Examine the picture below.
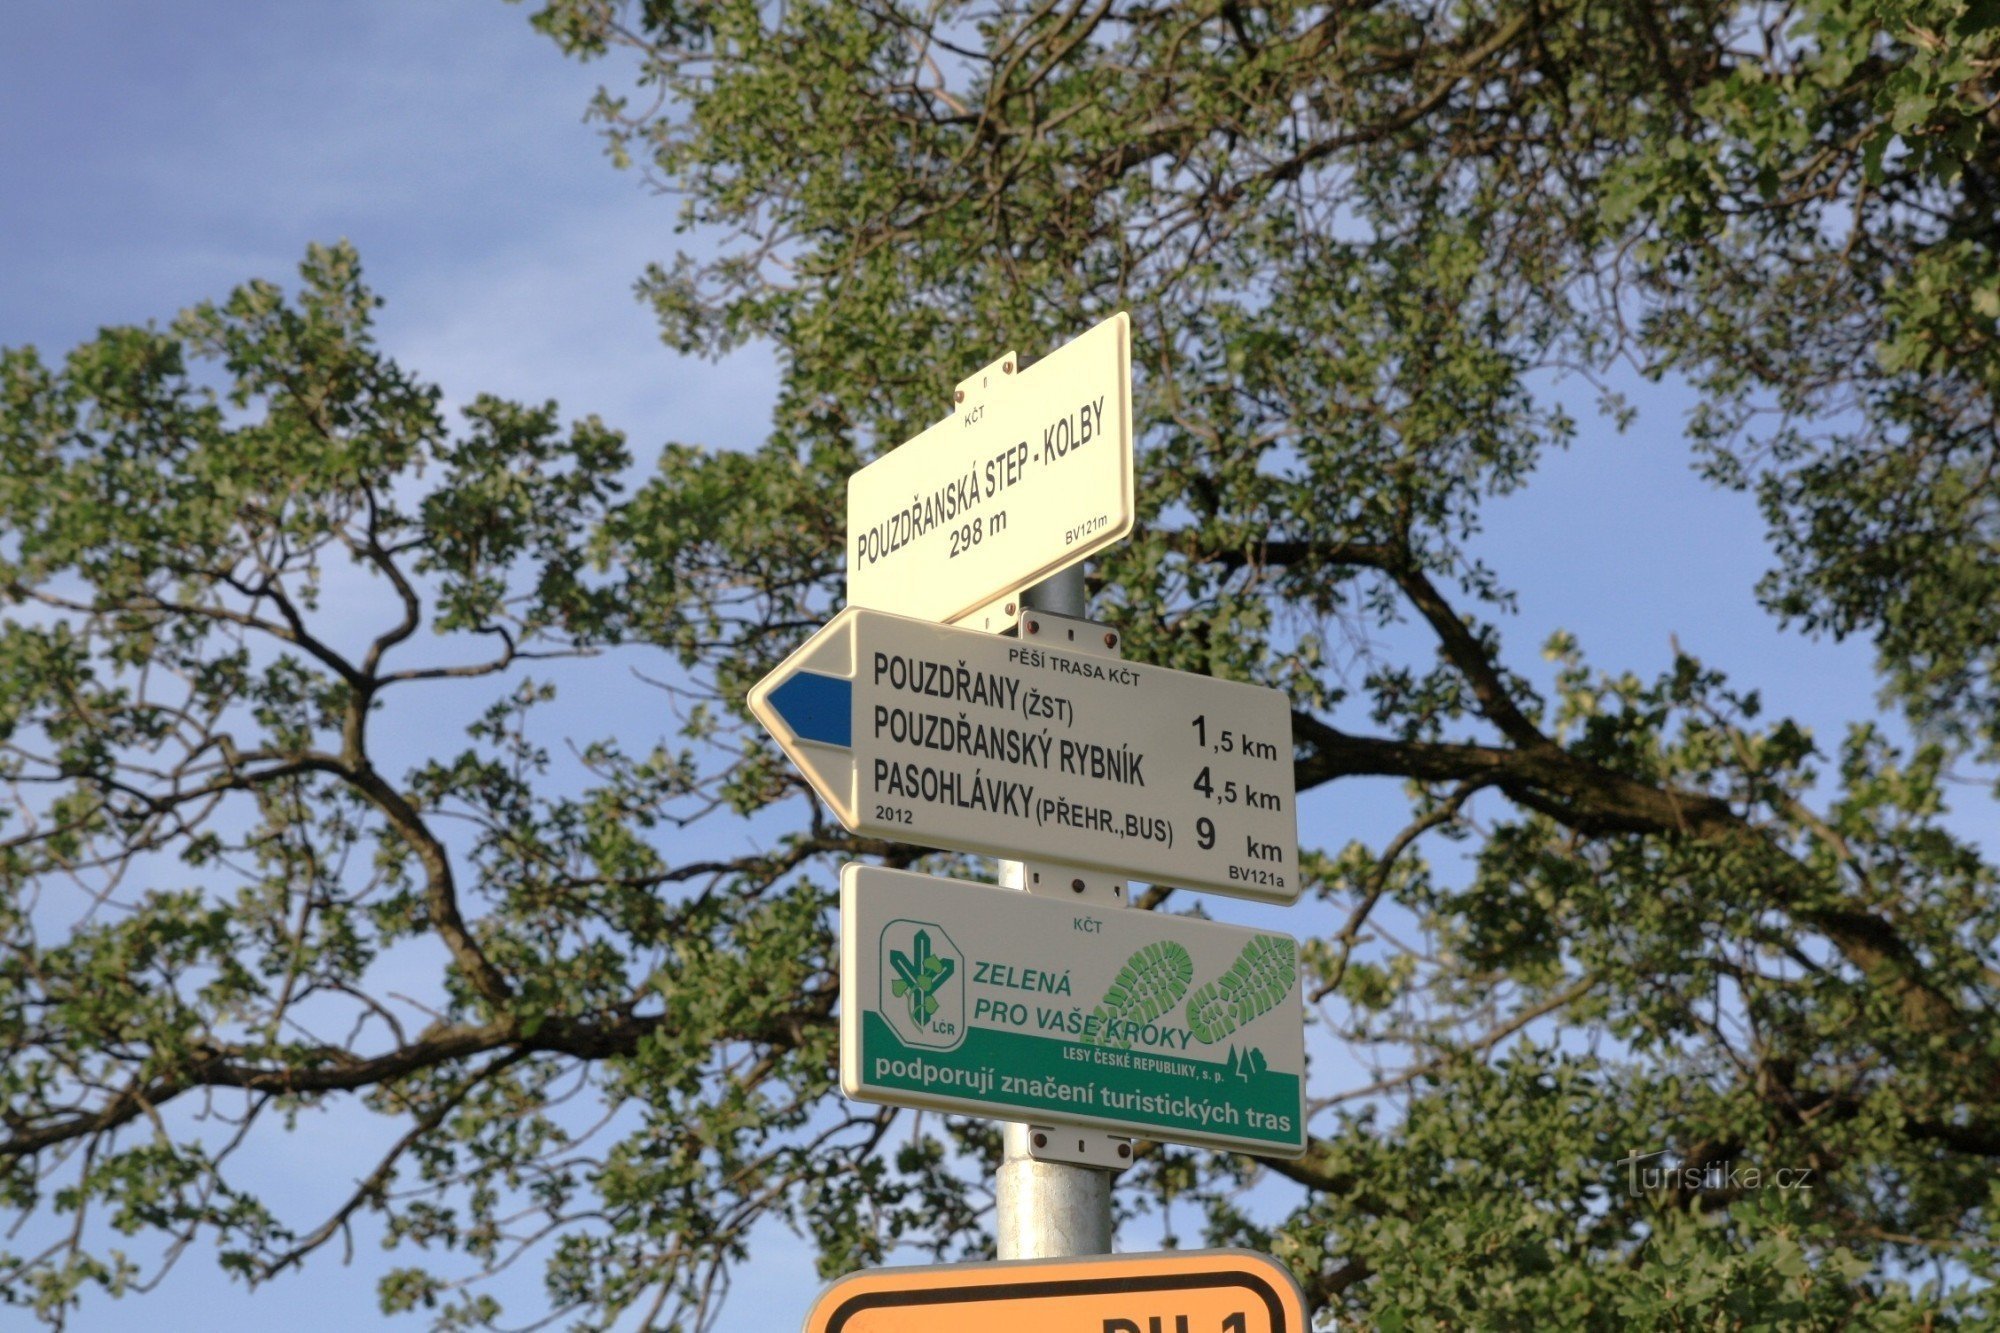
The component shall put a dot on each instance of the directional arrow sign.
(1186, 1291)
(989, 1001)
(954, 738)
(1032, 475)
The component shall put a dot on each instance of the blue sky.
(153, 155)
(156, 155)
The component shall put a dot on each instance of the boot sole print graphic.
(1255, 984)
(1152, 982)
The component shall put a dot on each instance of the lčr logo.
(923, 975)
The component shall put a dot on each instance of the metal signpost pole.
(1049, 1210)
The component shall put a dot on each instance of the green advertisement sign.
(968, 997)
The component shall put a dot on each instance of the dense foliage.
(1357, 242)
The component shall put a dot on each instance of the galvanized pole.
(1049, 1210)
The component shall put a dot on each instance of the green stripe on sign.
(995, 1071)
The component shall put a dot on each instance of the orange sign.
(1183, 1291)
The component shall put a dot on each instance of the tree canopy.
(1358, 243)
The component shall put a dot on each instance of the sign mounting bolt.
(1076, 886)
(958, 395)
(1110, 640)
(1041, 1139)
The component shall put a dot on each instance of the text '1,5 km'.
(952, 738)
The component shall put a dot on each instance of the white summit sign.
(950, 737)
(1031, 474)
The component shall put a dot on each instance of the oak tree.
(1358, 241)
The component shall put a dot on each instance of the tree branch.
(335, 1069)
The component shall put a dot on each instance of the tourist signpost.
(1080, 770)
(988, 1001)
(1033, 476)
(1183, 1291)
(949, 737)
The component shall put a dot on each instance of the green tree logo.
(920, 973)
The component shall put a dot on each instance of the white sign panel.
(954, 738)
(967, 997)
(1033, 476)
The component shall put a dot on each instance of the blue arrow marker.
(817, 708)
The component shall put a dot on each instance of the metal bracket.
(1095, 890)
(999, 616)
(1051, 879)
(973, 387)
(1091, 637)
(1086, 888)
(1069, 1144)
